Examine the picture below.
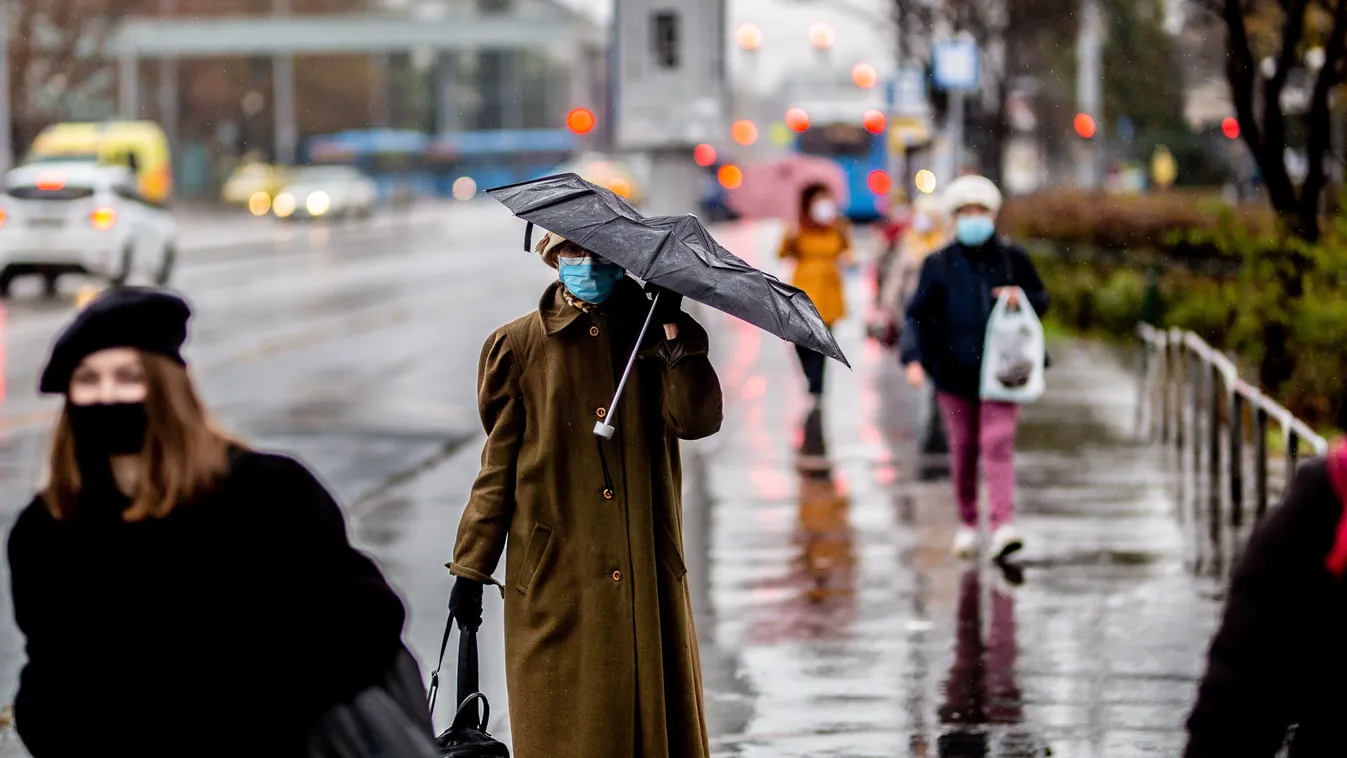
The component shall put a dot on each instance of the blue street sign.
(954, 65)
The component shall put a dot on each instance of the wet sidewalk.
(836, 622)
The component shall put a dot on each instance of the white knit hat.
(972, 190)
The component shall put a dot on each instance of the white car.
(81, 218)
(326, 191)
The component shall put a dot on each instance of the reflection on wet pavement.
(846, 628)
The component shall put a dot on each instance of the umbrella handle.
(604, 428)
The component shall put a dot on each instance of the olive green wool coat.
(601, 654)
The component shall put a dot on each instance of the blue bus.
(393, 158)
(494, 158)
(408, 160)
(860, 153)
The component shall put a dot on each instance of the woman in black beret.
(180, 594)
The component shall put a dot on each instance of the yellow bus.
(141, 145)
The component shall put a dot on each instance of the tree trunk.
(1000, 130)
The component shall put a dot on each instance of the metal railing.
(1193, 397)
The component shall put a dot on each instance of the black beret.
(146, 319)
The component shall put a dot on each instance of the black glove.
(669, 306)
(465, 603)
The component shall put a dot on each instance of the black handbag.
(467, 736)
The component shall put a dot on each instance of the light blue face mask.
(589, 279)
(974, 231)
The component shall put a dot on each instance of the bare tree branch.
(1274, 119)
(1320, 119)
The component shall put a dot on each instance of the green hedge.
(1183, 223)
(1105, 301)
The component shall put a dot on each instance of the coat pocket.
(670, 552)
(533, 556)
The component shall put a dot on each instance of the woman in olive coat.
(601, 653)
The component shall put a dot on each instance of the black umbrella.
(674, 252)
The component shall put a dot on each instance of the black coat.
(948, 313)
(223, 629)
(1280, 656)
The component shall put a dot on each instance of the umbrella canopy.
(772, 189)
(674, 252)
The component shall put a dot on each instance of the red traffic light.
(1230, 127)
(580, 121)
(1085, 125)
(875, 122)
(797, 119)
(864, 75)
(744, 132)
(705, 155)
(730, 176)
(879, 182)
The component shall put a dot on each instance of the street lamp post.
(6, 133)
(283, 75)
(1089, 74)
(168, 86)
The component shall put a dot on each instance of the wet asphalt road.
(833, 621)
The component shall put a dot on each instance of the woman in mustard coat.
(820, 246)
(601, 654)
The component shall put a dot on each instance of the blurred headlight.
(284, 205)
(317, 203)
(103, 219)
(259, 203)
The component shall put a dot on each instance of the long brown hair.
(185, 454)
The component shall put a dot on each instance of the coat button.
(617, 576)
(607, 494)
(601, 412)
(593, 331)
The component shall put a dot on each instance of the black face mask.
(108, 429)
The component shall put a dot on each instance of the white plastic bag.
(1013, 354)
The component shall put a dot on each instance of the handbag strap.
(467, 663)
(468, 717)
(439, 663)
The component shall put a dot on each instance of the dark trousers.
(813, 364)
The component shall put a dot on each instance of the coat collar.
(557, 314)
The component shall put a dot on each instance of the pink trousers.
(986, 431)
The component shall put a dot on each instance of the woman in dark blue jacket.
(947, 317)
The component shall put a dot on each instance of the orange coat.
(819, 254)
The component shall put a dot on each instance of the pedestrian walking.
(929, 231)
(600, 650)
(892, 228)
(948, 316)
(179, 593)
(1277, 658)
(820, 245)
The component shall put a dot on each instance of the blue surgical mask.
(589, 279)
(974, 231)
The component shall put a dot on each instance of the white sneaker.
(966, 542)
(1005, 540)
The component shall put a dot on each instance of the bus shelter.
(569, 38)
